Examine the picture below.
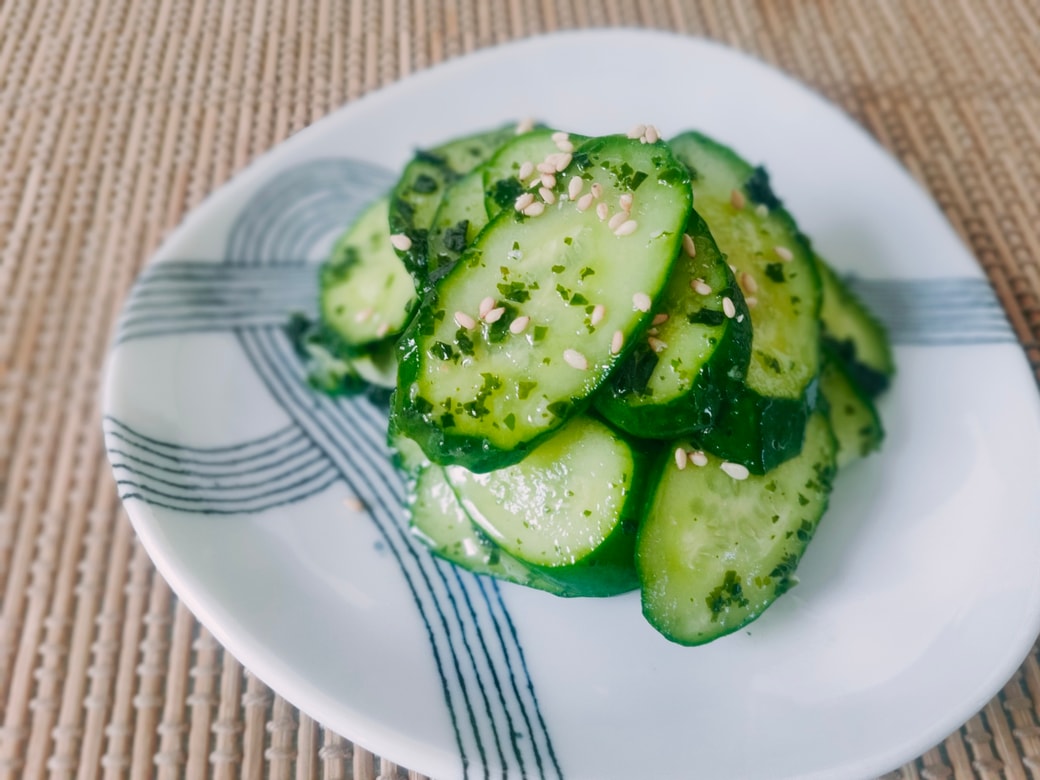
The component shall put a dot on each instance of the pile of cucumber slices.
(616, 364)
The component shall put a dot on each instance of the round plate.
(274, 513)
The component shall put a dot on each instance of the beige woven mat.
(120, 115)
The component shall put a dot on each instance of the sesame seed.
(534, 209)
(401, 242)
(751, 301)
(641, 301)
(651, 134)
(625, 201)
(547, 195)
(735, 470)
(736, 197)
(495, 314)
(547, 180)
(728, 308)
(584, 201)
(354, 504)
(525, 126)
(680, 458)
(545, 167)
(563, 159)
(617, 342)
(565, 146)
(732, 267)
(524, 201)
(660, 319)
(740, 318)
(517, 326)
(762, 210)
(596, 189)
(574, 188)
(688, 246)
(652, 332)
(382, 330)
(616, 220)
(700, 287)
(575, 359)
(637, 131)
(602, 210)
(599, 311)
(642, 140)
(463, 320)
(747, 281)
(784, 253)
(698, 458)
(559, 135)
(627, 228)
(656, 344)
(364, 315)
(486, 305)
(526, 169)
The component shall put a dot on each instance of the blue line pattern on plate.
(264, 277)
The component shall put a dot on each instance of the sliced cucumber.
(419, 191)
(673, 382)
(854, 334)
(502, 183)
(366, 292)
(513, 342)
(714, 551)
(459, 218)
(764, 422)
(569, 510)
(854, 418)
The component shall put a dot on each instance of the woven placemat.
(119, 116)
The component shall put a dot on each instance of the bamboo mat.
(119, 116)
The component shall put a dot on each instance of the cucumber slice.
(570, 510)
(501, 174)
(459, 218)
(365, 290)
(714, 551)
(854, 334)
(561, 286)
(854, 418)
(764, 422)
(418, 193)
(672, 383)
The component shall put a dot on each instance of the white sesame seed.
(599, 311)
(617, 342)
(382, 330)
(565, 146)
(627, 228)
(747, 281)
(525, 200)
(660, 319)
(463, 320)
(401, 242)
(784, 253)
(616, 220)
(680, 458)
(364, 315)
(637, 131)
(698, 458)
(762, 210)
(574, 187)
(547, 195)
(563, 159)
(656, 344)
(486, 305)
(354, 504)
(740, 318)
(732, 267)
(526, 169)
(517, 326)
(596, 189)
(642, 140)
(535, 182)
(575, 359)
(735, 470)
(547, 180)
(494, 315)
(534, 209)
(545, 167)
(602, 210)
(560, 135)
(651, 134)
(751, 301)
(525, 126)
(652, 332)
(700, 287)
(736, 197)
(688, 246)
(641, 301)
(625, 201)
(584, 201)
(728, 308)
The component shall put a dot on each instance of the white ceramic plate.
(918, 599)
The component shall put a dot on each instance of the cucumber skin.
(840, 390)
(697, 410)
